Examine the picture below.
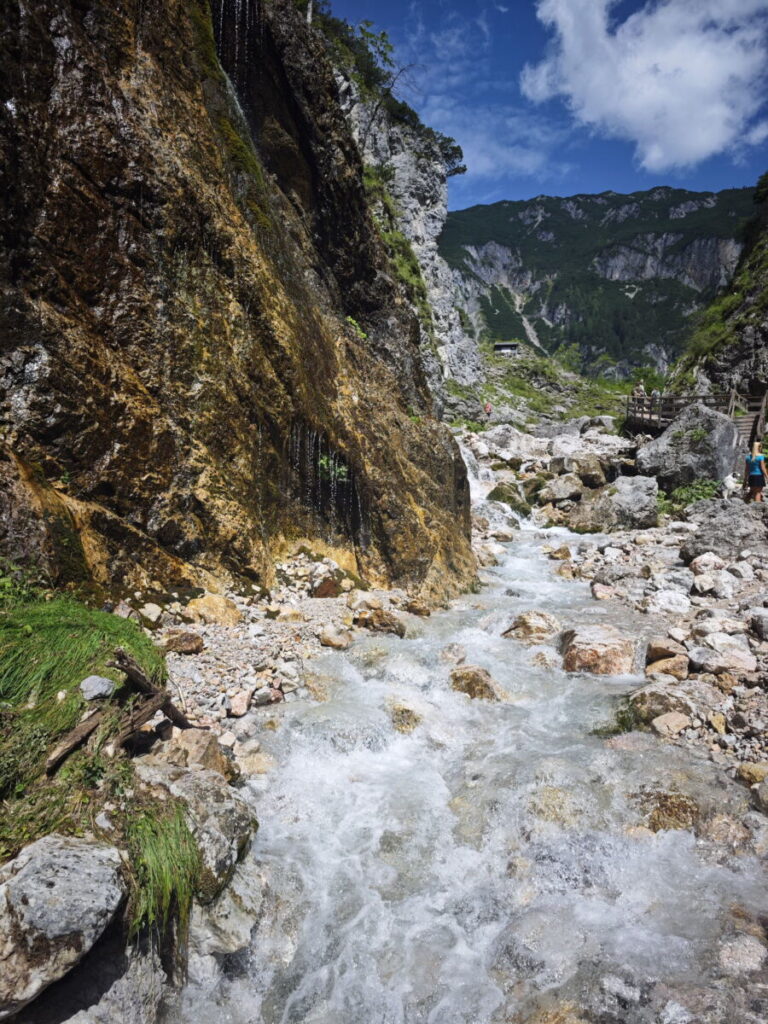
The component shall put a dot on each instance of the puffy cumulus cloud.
(682, 79)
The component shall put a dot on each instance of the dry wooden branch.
(125, 663)
(157, 700)
(72, 740)
(140, 714)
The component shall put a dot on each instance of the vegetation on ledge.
(48, 645)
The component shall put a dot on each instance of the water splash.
(490, 859)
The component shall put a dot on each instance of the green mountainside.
(618, 276)
(729, 343)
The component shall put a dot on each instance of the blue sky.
(568, 96)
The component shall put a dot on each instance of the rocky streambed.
(543, 805)
(429, 856)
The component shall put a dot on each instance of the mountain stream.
(494, 864)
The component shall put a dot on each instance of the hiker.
(639, 390)
(755, 475)
(488, 410)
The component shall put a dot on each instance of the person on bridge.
(755, 475)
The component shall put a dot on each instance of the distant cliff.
(205, 350)
(616, 275)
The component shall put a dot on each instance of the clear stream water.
(489, 866)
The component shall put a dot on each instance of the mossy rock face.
(509, 494)
(534, 485)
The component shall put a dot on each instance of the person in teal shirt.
(755, 474)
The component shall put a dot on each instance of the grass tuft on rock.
(165, 868)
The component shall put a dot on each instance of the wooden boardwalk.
(646, 414)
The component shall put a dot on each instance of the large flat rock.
(56, 899)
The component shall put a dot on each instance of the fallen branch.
(157, 700)
(134, 720)
(125, 663)
(73, 740)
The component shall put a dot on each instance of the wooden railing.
(656, 413)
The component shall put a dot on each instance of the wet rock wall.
(181, 390)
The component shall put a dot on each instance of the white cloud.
(682, 79)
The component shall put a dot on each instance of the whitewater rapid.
(492, 864)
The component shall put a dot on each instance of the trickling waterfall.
(325, 487)
(236, 23)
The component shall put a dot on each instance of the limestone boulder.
(692, 697)
(337, 639)
(588, 468)
(760, 797)
(676, 666)
(183, 642)
(629, 503)
(660, 647)
(670, 724)
(758, 622)
(510, 495)
(706, 563)
(563, 488)
(725, 528)
(221, 821)
(601, 650)
(194, 748)
(476, 683)
(722, 652)
(699, 445)
(533, 627)
(56, 899)
(668, 602)
(214, 610)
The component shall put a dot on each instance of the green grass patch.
(677, 501)
(165, 867)
(46, 649)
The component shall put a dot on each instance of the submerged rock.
(378, 620)
(476, 682)
(56, 899)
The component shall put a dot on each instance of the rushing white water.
(489, 863)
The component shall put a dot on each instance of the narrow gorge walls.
(203, 350)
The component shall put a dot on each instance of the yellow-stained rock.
(676, 666)
(214, 610)
(753, 772)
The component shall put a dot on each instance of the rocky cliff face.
(181, 392)
(619, 276)
(417, 184)
(730, 345)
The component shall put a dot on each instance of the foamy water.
(490, 862)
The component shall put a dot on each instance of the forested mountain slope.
(616, 275)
